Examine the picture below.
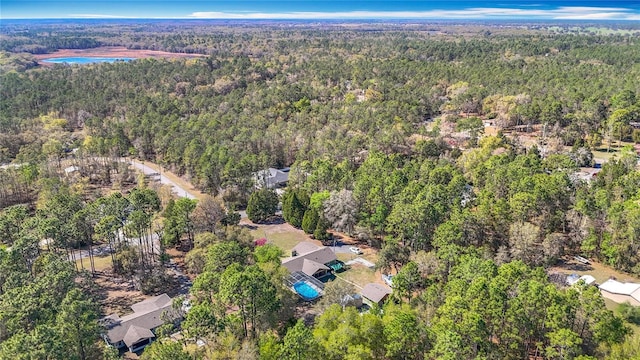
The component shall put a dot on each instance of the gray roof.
(305, 247)
(147, 315)
(271, 177)
(310, 262)
(135, 334)
(153, 303)
(375, 292)
(310, 267)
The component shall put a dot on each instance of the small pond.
(85, 60)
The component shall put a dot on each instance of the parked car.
(355, 250)
(388, 279)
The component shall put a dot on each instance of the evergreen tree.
(310, 221)
(262, 205)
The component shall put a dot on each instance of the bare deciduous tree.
(341, 210)
(208, 214)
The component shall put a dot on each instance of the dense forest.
(386, 131)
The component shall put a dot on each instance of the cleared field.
(180, 182)
(114, 51)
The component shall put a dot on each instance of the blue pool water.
(85, 60)
(305, 290)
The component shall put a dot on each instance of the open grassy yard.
(101, 263)
(285, 241)
(283, 235)
(359, 275)
(601, 153)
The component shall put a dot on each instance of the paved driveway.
(162, 179)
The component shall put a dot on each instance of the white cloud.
(560, 13)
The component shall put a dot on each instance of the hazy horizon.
(620, 10)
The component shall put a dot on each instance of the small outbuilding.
(376, 293)
(575, 278)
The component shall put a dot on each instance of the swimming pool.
(85, 60)
(305, 290)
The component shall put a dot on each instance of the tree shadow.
(274, 220)
(574, 265)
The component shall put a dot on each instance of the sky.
(628, 10)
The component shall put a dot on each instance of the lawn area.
(100, 262)
(359, 275)
(285, 241)
(344, 257)
(283, 236)
(602, 153)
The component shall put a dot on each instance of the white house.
(621, 292)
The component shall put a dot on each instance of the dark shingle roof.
(147, 315)
(135, 334)
(310, 262)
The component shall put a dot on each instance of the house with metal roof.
(575, 278)
(136, 330)
(621, 292)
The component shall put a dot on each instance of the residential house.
(376, 293)
(312, 260)
(272, 178)
(136, 330)
(621, 292)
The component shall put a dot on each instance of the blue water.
(306, 291)
(85, 60)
